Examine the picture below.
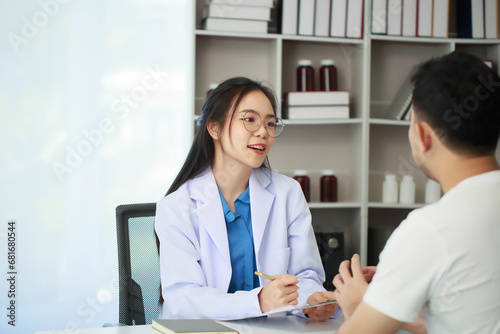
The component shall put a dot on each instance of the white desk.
(281, 325)
(278, 325)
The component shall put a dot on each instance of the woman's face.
(238, 146)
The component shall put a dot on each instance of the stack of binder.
(327, 18)
(410, 18)
(477, 19)
(316, 105)
(250, 16)
(430, 18)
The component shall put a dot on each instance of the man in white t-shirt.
(443, 261)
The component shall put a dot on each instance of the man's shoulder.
(473, 196)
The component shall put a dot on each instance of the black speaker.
(331, 250)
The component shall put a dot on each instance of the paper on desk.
(290, 308)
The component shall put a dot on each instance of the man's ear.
(214, 130)
(425, 135)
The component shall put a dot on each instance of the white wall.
(95, 105)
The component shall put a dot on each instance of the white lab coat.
(194, 251)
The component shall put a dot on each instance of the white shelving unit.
(360, 149)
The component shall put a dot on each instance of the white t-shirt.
(444, 261)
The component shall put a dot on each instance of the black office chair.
(138, 264)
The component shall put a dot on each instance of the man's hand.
(320, 313)
(368, 272)
(349, 292)
(350, 288)
(417, 327)
(279, 293)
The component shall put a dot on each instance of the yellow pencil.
(269, 277)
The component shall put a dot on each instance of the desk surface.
(278, 325)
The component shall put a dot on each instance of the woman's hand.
(279, 293)
(320, 313)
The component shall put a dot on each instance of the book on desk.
(190, 326)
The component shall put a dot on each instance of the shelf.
(333, 121)
(334, 205)
(213, 33)
(321, 39)
(361, 149)
(409, 39)
(474, 41)
(322, 121)
(433, 40)
(334, 40)
(395, 205)
(380, 121)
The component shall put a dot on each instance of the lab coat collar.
(204, 191)
(261, 202)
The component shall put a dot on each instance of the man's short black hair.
(459, 96)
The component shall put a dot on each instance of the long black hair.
(228, 93)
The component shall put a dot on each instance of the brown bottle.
(304, 181)
(328, 186)
(328, 75)
(305, 76)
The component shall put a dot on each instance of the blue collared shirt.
(241, 246)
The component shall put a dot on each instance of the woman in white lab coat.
(227, 215)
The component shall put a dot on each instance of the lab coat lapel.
(209, 210)
(261, 202)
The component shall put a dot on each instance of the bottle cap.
(327, 62)
(328, 172)
(390, 176)
(305, 62)
(213, 85)
(407, 178)
(300, 172)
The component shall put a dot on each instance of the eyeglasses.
(252, 122)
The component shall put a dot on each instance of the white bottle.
(407, 190)
(432, 191)
(390, 189)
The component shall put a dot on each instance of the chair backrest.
(138, 264)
